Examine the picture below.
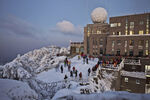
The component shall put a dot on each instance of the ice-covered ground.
(54, 75)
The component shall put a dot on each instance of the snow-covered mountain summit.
(33, 62)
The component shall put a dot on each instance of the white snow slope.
(16, 90)
(40, 78)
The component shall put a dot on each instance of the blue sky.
(29, 24)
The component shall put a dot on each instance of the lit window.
(113, 33)
(101, 41)
(141, 22)
(125, 44)
(141, 32)
(131, 32)
(98, 32)
(112, 49)
(113, 43)
(119, 33)
(147, 68)
(146, 43)
(147, 31)
(113, 25)
(137, 81)
(126, 79)
(147, 25)
(88, 33)
(126, 32)
(146, 52)
(119, 24)
(131, 42)
(131, 25)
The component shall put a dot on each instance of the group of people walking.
(73, 72)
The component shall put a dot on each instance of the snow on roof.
(133, 74)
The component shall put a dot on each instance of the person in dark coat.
(89, 71)
(87, 60)
(80, 75)
(65, 77)
(71, 74)
(69, 66)
(74, 69)
(76, 73)
(61, 69)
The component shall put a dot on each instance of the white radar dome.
(99, 15)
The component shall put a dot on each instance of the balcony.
(132, 62)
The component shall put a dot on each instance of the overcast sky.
(29, 24)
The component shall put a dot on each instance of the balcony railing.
(132, 62)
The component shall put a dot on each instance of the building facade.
(125, 35)
(76, 48)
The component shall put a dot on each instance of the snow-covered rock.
(16, 90)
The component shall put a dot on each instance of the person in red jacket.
(80, 75)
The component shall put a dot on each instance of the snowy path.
(54, 75)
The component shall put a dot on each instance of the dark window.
(101, 50)
(118, 52)
(131, 53)
(118, 42)
(141, 53)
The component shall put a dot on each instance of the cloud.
(67, 28)
(12, 25)
(17, 36)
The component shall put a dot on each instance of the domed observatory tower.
(95, 35)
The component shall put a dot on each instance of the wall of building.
(131, 85)
(136, 47)
(93, 35)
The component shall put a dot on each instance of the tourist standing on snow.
(78, 57)
(71, 74)
(74, 69)
(61, 69)
(65, 62)
(89, 71)
(80, 75)
(76, 73)
(69, 63)
(65, 78)
(87, 60)
(69, 67)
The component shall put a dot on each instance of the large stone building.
(125, 35)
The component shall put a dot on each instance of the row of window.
(131, 32)
(131, 43)
(95, 42)
(115, 24)
(131, 24)
(127, 80)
